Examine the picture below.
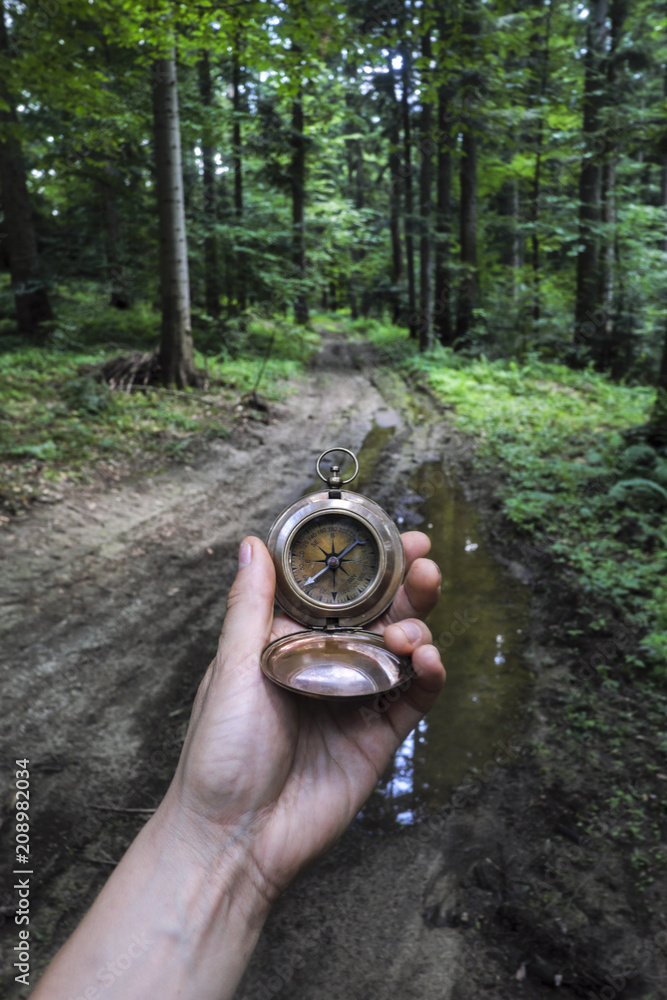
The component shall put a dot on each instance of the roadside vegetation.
(61, 422)
(577, 480)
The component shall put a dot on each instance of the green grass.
(57, 424)
(570, 484)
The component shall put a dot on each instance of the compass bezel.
(379, 593)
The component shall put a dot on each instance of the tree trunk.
(543, 77)
(118, 293)
(662, 159)
(467, 301)
(588, 316)
(395, 218)
(535, 236)
(425, 184)
(352, 281)
(413, 319)
(176, 357)
(510, 251)
(355, 183)
(298, 179)
(238, 176)
(443, 225)
(395, 192)
(30, 295)
(605, 348)
(662, 153)
(211, 266)
(658, 418)
(613, 347)
(663, 187)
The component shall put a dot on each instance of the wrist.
(217, 854)
(175, 920)
(217, 901)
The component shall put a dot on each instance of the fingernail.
(412, 630)
(245, 554)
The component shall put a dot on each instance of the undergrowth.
(58, 423)
(572, 484)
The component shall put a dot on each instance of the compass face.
(334, 558)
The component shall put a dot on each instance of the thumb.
(247, 626)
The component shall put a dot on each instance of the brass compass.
(339, 561)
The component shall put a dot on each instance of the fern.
(619, 491)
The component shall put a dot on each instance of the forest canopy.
(490, 175)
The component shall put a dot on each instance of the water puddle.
(478, 627)
(368, 456)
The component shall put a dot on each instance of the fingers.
(416, 544)
(411, 637)
(417, 697)
(420, 591)
(403, 637)
(394, 715)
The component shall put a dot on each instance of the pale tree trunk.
(510, 249)
(663, 187)
(613, 348)
(662, 152)
(514, 207)
(467, 301)
(30, 295)
(443, 225)
(298, 177)
(425, 211)
(176, 357)
(395, 194)
(118, 292)
(407, 188)
(395, 214)
(354, 160)
(543, 77)
(604, 355)
(211, 268)
(588, 316)
(238, 175)
(658, 418)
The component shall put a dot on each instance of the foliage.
(59, 424)
(86, 136)
(570, 485)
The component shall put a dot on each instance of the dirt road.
(110, 608)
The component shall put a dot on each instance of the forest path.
(111, 604)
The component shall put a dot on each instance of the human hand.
(267, 781)
(278, 775)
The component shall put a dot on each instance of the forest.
(438, 230)
(492, 176)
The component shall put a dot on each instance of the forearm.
(167, 924)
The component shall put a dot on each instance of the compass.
(339, 561)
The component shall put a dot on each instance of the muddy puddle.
(478, 626)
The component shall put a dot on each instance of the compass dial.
(334, 558)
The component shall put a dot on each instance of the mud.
(111, 604)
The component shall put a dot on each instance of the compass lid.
(340, 664)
